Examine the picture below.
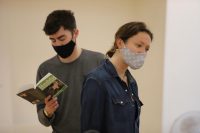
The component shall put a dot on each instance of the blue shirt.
(108, 104)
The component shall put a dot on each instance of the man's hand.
(51, 104)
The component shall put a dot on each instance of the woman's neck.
(119, 65)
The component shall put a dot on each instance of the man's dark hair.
(57, 19)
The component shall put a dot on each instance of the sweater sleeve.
(92, 105)
(40, 107)
(42, 118)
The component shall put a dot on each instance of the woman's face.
(139, 43)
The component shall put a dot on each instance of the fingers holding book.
(51, 104)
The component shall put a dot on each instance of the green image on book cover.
(48, 85)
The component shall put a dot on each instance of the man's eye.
(62, 39)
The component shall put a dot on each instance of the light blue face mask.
(134, 60)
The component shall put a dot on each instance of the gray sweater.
(66, 119)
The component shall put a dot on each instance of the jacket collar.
(113, 72)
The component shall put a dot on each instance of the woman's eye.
(139, 45)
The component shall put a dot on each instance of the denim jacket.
(108, 105)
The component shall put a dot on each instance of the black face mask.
(66, 50)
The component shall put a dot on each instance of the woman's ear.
(120, 43)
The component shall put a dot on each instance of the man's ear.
(120, 43)
(76, 33)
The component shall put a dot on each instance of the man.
(70, 65)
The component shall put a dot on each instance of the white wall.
(182, 63)
(5, 83)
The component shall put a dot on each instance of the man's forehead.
(60, 34)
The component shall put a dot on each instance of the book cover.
(48, 85)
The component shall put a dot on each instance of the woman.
(110, 102)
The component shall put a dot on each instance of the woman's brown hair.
(126, 31)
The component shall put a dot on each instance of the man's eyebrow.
(60, 37)
(57, 37)
(51, 38)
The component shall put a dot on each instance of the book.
(48, 85)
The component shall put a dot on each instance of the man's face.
(61, 37)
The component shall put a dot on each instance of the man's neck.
(76, 53)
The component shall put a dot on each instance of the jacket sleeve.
(92, 105)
